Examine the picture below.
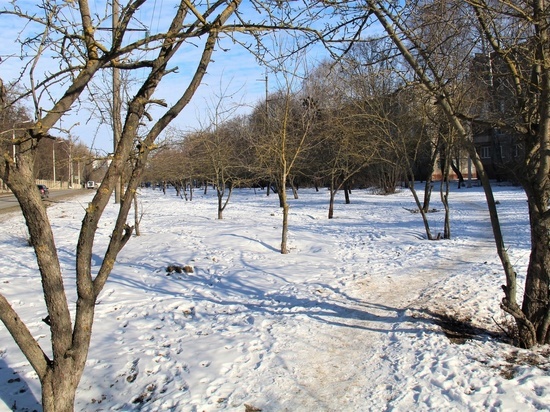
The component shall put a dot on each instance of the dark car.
(44, 192)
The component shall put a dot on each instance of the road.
(8, 202)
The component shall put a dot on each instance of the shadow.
(15, 392)
(334, 307)
(265, 245)
(458, 329)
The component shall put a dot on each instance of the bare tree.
(284, 136)
(82, 50)
(517, 33)
(216, 147)
(341, 147)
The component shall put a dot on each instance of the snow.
(350, 320)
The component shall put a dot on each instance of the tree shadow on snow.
(15, 392)
(457, 328)
(318, 301)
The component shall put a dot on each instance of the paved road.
(8, 202)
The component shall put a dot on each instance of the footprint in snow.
(132, 372)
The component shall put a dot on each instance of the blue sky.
(234, 70)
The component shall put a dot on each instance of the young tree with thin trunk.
(286, 137)
(217, 147)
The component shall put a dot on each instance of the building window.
(502, 152)
(485, 152)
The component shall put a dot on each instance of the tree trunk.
(429, 179)
(219, 192)
(458, 174)
(284, 235)
(427, 194)
(136, 215)
(294, 190)
(421, 210)
(536, 298)
(347, 191)
(59, 388)
(333, 190)
(526, 330)
(331, 203)
(285, 207)
(444, 192)
(221, 204)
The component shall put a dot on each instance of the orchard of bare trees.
(404, 90)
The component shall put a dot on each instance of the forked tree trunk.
(220, 190)
(421, 210)
(347, 191)
(428, 187)
(61, 371)
(59, 386)
(458, 173)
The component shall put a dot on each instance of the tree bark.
(421, 210)
(136, 215)
(331, 203)
(347, 191)
(535, 302)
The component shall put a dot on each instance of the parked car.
(90, 184)
(44, 191)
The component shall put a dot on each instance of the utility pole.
(265, 80)
(116, 109)
(266, 95)
(13, 145)
(71, 169)
(53, 160)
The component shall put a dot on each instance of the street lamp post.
(53, 160)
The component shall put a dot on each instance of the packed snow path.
(345, 322)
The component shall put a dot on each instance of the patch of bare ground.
(537, 357)
(458, 328)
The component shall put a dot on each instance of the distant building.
(500, 148)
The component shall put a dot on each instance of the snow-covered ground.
(351, 320)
